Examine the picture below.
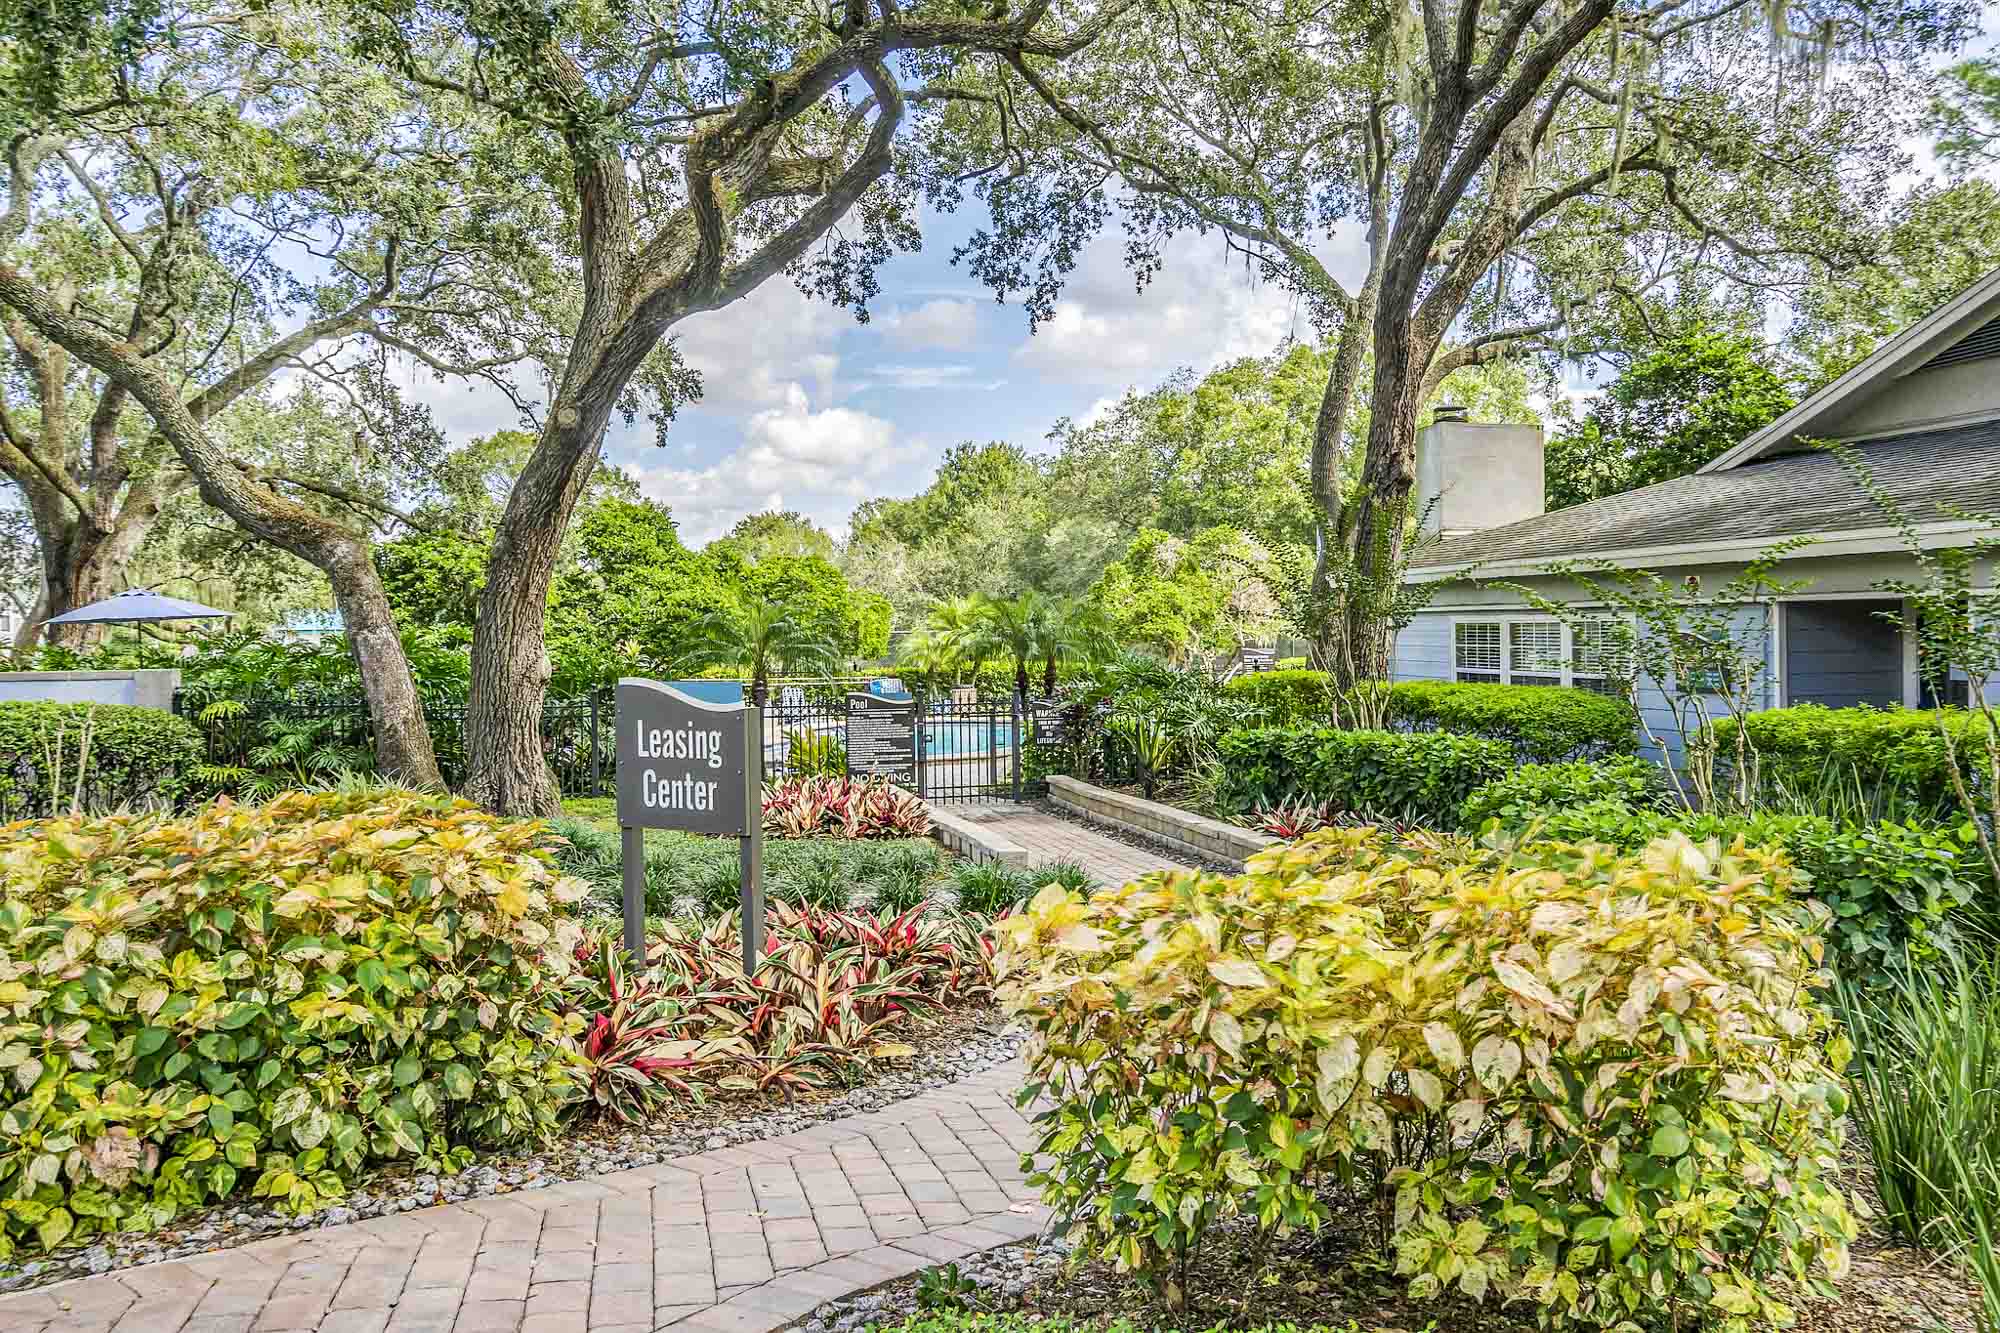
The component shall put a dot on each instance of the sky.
(805, 408)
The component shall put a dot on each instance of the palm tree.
(957, 630)
(763, 635)
(924, 652)
(1013, 629)
(1070, 630)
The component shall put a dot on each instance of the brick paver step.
(1046, 837)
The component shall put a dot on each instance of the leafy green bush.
(814, 755)
(1894, 753)
(1284, 698)
(821, 878)
(277, 996)
(589, 853)
(1535, 789)
(1544, 723)
(1069, 874)
(124, 755)
(1419, 776)
(1593, 1082)
(989, 888)
(900, 878)
(1893, 888)
(948, 1319)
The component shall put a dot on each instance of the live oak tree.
(1966, 115)
(1942, 239)
(204, 199)
(1514, 171)
(696, 152)
(779, 532)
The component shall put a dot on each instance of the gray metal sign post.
(695, 766)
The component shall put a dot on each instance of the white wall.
(152, 689)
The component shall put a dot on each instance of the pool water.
(948, 740)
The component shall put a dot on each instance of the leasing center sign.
(681, 762)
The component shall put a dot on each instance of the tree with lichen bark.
(1518, 175)
(696, 153)
(161, 197)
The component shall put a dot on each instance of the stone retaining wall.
(973, 840)
(1210, 839)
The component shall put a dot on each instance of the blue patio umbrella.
(135, 605)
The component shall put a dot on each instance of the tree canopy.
(1691, 398)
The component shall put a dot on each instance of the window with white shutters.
(1479, 658)
(1538, 651)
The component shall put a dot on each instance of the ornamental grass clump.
(1592, 1082)
(270, 998)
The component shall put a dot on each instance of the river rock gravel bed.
(950, 1047)
(1001, 1279)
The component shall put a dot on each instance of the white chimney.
(1473, 475)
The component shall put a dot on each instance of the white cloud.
(1200, 310)
(751, 354)
(943, 325)
(820, 462)
(926, 377)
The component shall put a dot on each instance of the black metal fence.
(962, 745)
(954, 745)
(312, 736)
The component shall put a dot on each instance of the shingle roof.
(1753, 503)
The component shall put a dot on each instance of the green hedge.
(1894, 889)
(270, 999)
(1421, 777)
(1808, 749)
(1544, 723)
(1537, 789)
(1284, 698)
(136, 756)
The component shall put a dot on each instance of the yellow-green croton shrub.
(1593, 1082)
(269, 997)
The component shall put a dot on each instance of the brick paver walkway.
(1049, 837)
(742, 1240)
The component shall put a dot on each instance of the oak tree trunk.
(508, 772)
(1383, 507)
(82, 563)
(1327, 648)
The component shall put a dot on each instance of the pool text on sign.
(687, 764)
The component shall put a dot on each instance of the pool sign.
(882, 738)
(687, 764)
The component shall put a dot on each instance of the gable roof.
(1967, 317)
(1722, 515)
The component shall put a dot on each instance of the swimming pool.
(950, 740)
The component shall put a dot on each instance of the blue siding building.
(1922, 415)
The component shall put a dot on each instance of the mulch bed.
(1241, 1280)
